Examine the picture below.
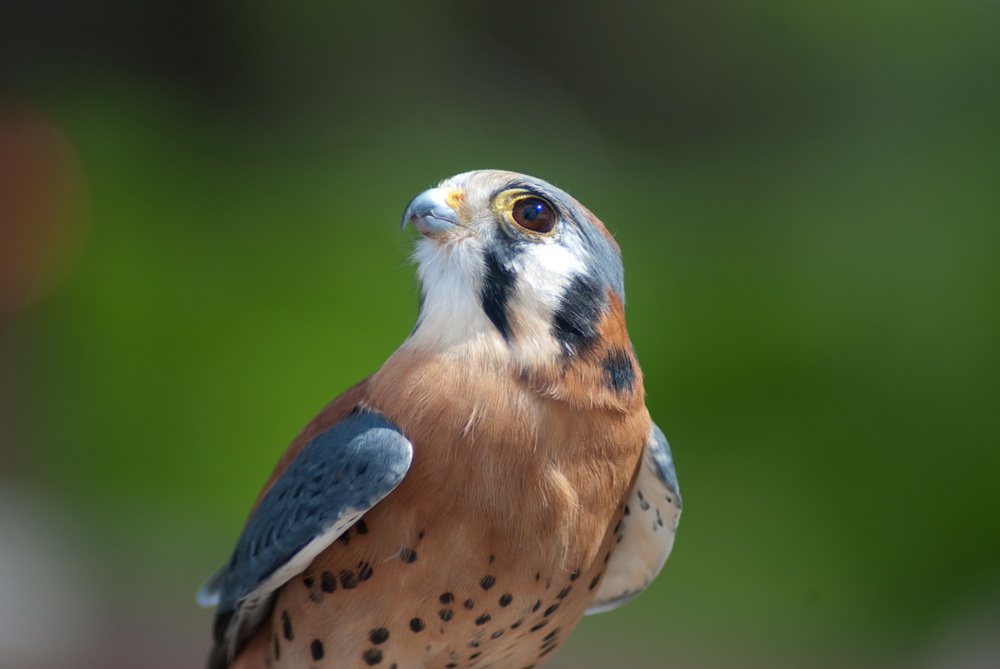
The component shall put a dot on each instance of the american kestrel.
(495, 480)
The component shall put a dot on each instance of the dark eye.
(534, 214)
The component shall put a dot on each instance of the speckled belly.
(400, 594)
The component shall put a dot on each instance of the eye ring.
(534, 214)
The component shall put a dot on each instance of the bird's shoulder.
(334, 412)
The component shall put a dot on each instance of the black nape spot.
(446, 614)
(488, 582)
(316, 649)
(575, 575)
(497, 634)
(328, 582)
(551, 609)
(361, 527)
(540, 625)
(348, 579)
(475, 655)
(378, 635)
(516, 624)
(446, 598)
(593, 584)
(308, 581)
(420, 534)
(286, 626)
(372, 656)
(483, 619)
(550, 635)
(565, 591)
(537, 605)
(277, 649)
(506, 598)
(619, 372)
(417, 625)
(498, 286)
(408, 555)
(492, 558)
(364, 571)
(451, 665)
(575, 321)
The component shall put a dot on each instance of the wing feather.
(647, 535)
(334, 479)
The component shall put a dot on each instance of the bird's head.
(514, 269)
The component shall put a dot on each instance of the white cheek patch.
(547, 269)
(451, 276)
(544, 271)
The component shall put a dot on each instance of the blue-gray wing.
(648, 528)
(336, 477)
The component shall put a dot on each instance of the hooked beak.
(431, 212)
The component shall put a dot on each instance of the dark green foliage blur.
(807, 197)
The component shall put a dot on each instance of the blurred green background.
(199, 247)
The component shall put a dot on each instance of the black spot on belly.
(372, 656)
(378, 635)
(348, 579)
(619, 372)
(361, 527)
(446, 598)
(364, 571)
(328, 582)
(468, 604)
(408, 555)
(487, 582)
(316, 649)
(417, 625)
(483, 619)
(286, 626)
(506, 598)
(446, 614)
(575, 321)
